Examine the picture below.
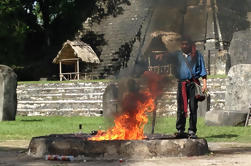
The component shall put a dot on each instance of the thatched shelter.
(71, 53)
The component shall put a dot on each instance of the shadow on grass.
(223, 136)
(32, 120)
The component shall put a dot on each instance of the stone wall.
(216, 101)
(75, 98)
(86, 99)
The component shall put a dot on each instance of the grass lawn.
(24, 128)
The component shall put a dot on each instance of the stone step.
(58, 96)
(66, 84)
(71, 99)
(62, 112)
(59, 104)
(52, 87)
(79, 90)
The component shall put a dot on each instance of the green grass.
(216, 76)
(211, 133)
(27, 127)
(24, 128)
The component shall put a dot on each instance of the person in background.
(189, 67)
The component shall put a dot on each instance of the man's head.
(186, 45)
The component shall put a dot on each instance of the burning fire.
(130, 124)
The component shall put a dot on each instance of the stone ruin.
(154, 146)
(238, 88)
(132, 28)
(210, 25)
(238, 85)
(8, 96)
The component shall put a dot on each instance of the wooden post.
(208, 62)
(60, 71)
(78, 69)
(149, 63)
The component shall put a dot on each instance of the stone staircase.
(61, 99)
(167, 106)
(86, 99)
(119, 32)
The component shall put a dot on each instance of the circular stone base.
(75, 145)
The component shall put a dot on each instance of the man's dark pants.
(193, 106)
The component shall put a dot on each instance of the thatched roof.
(76, 49)
(169, 39)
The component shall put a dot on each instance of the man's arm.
(167, 57)
(204, 79)
(203, 72)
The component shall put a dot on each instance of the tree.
(32, 31)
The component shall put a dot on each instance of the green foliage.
(12, 32)
(32, 31)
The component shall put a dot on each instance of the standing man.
(190, 66)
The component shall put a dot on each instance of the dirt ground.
(13, 153)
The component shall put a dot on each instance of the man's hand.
(204, 87)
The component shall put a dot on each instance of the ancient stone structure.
(240, 48)
(77, 145)
(76, 98)
(128, 41)
(8, 96)
(238, 88)
(96, 98)
(237, 98)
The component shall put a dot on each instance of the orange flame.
(130, 124)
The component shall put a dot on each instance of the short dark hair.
(188, 39)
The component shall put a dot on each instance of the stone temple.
(124, 41)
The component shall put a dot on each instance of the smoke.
(136, 100)
(169, 21)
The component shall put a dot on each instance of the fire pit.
(127, 138)
(156, 145)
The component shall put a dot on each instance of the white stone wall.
(86, 99)
(61, 99)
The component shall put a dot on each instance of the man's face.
(185, 47)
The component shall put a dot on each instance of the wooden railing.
(166, 69)
(69, 76)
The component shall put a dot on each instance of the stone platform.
(156, 145)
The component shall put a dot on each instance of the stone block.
(110, 101)
(225, 118)
(240, 48)
(238, 87)
(8, 96)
